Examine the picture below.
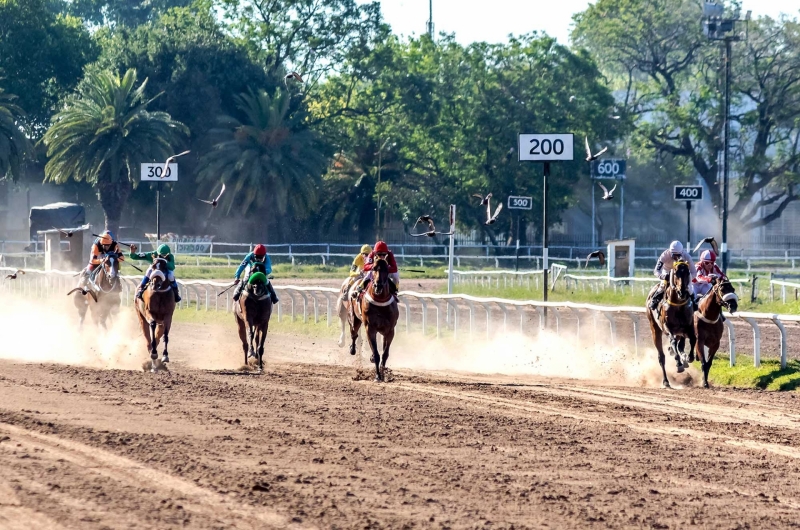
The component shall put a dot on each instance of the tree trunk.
(113, 196)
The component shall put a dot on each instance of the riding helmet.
(676, 247)
(708, 255)
(260, 250)
(380, 246)
(106, 238)
(163, 250)
(366, 249)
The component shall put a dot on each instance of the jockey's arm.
(171, 262)
(245, 262)
(95, 257)
(141, 256)
(267, 265)
(392, 264)
(659, 271)
(368, 262)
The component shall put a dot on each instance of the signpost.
(519, 203)
(154, 172)
(545, 148)
(608, 168)
(688, 194)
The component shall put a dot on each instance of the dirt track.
(306, 445)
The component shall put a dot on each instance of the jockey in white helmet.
(674, 253)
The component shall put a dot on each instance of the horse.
(675, 319)
(103, 290)
(708, 321)
(343, 304)
(252, 313)
(377, 310)
(155, 311)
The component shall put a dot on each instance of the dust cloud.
(37, 331)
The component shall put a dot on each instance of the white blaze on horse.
(252, 313)
(155, 311)
(377, 310)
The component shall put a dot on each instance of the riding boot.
(140, 290)
(694, 302)
(238, 291)
(656, 299)
(273, 296)
(175, 292)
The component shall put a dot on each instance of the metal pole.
(545, 238)
(688, 224)
(516, 263)
(158, 214)
(452, 250)
(726, 168)
(621, 205)
(594, 215)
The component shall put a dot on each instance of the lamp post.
(717, 28)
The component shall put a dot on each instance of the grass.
(309, 329)
(769, 376)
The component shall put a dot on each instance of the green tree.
(14, 144)
(122, 12)
(104, 134)
(42, 56)
(269, 159)
(670, 81)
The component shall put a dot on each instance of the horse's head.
(111, 266)
(680, 279)
(257, 284)
(160, 271)
(380, 275)
(726, 295)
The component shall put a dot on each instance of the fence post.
(731, 342)
(782, 330)
(756, 341)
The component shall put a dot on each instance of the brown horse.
(103, 290)
(252, 313)
(708, 322)
(674, 317)
(377, 310)
(155, 311)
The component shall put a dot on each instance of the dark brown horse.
(708, 322)
(252, 313)
(155, 311)
(675, 318)
(103, 291)
(377, 310)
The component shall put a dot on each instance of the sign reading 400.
(545, 147)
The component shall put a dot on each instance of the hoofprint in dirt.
(305, 444)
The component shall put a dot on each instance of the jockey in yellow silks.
(356, 269)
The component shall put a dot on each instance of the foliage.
(671, 80)
(42, 56)
(14, 144)
(122, 12)
(103, 135)
(269, 159)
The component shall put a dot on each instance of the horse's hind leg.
(372, 337)
(388, 337)
(261, 340)
(153, 340)
(240, 324)
(658, 338)
(354, 327)
(165, 327)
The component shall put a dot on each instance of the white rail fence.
(496, 315)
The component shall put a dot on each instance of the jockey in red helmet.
(380, 251)
(256, 260)
(707, 271)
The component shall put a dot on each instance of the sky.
(493, 20)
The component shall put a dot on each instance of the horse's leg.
(700, 349)
(261, 340)
(692, 344)
(388, 337)
(251, 340)
(145, 327)
(372, 337)
(341, 310)
(240, 323)
(153, 340)
(166, 327)
(355, 326)
(658, 339)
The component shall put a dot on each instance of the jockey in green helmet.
(163, 251)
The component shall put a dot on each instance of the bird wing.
(497, 212)
(615, 187)
(588, 151)
(20, 271)
(207, 202)
(489, 208)
(418, 235)
(220, 193)
(697, 247)
(602, 257)
(605, 191)
(714, 246)
(603, 150)
(478, 196)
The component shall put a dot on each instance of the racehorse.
(377, 310)
(252, 313)
(155, 311)
(343, 304)
(708, 322)
(103, 290)
(675, 318)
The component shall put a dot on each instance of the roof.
(55, 230)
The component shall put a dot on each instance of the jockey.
(163, 251)
(707, 270)
(356, 269)
(381, 251)
(674, 253)
(104, 244)
(259, 255)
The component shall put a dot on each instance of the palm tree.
(13, 143)
(271, 159)
(103, 135)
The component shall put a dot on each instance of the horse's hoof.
(154, 356)
(665, 384)
(352, 350)
(680, 368)
(377, 379)
(705, 384)
(165, 358)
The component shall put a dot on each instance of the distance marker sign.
(545, 147)
(520, 203)
(609, 168)
(153, 172)
(688, 193)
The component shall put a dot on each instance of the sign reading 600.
(610, 168)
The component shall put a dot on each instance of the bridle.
(112, 276)
(682, 293)
(379, 284)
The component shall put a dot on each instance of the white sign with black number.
(545, 147)
(688, 193)
(154, 172)
(520, 203)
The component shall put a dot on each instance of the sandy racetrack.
(306, 445)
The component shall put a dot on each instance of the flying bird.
(215, 202)
(169, 161)
(591, 157)
(607, 195)
(484, 200)
(292, 75)
(601, 257)
(69, 233)
(431, 227)
(14, 276)
(491, 219)
(711, 241)
(84, 292)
